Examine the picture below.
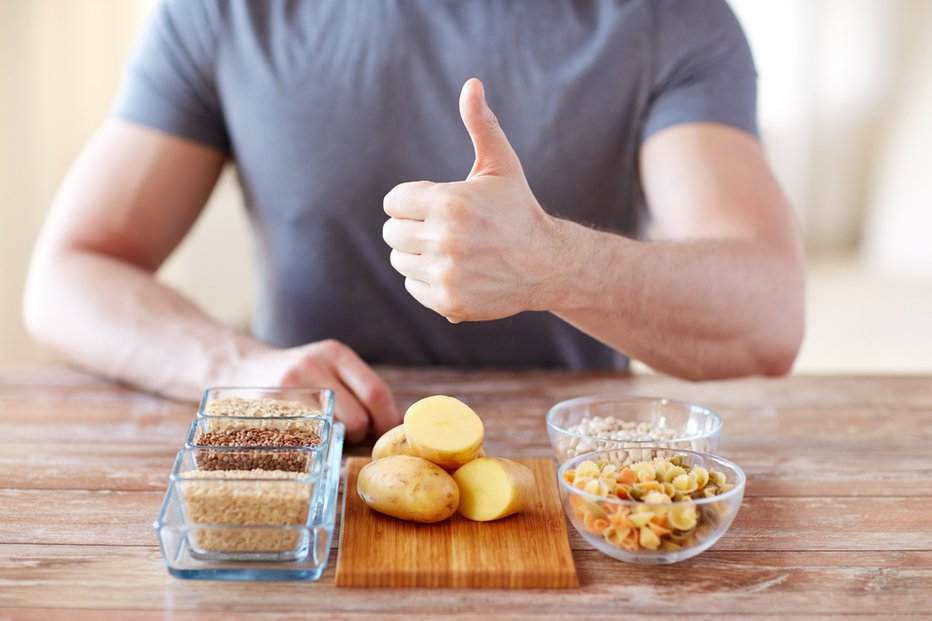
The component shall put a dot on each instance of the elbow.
(776, 335)
(762, 343)
(780, 324)
(783, 338)
(42, 308)
(779, 359)
(771, 355)
(775, 354)
(773, 361)
(35, 311)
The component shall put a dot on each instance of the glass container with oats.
(651, 505)
(587, 424)
(252, 513)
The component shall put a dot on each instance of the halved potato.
(492, 488)
(444, 430)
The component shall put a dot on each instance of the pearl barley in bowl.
(588, 424)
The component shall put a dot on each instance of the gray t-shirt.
(326, 105)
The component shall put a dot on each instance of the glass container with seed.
(245, 418)
(240, 447)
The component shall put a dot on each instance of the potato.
(395, 442)
(481, 453)
(408, 488)
(492, 488)
(392, 442)
(444, 430)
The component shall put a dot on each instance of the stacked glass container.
(253, 494)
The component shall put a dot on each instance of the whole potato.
(393, 442)
(409, 488)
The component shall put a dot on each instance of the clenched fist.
(477, 249)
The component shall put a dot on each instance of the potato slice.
(392, 442)
(408, 488)
(492, 488)
(444, 430)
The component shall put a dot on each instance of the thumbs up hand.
(477, 249)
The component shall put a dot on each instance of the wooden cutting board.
(527, 550)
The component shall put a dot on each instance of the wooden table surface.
(836, 521)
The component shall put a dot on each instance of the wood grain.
(73, 517)
(835, 524)
(740, 583)
(802, 468)
(527, 550)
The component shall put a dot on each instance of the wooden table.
(836, 522)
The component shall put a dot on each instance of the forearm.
(116, 320)
(723, 300)
(696, 309)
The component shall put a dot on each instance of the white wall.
(831, 73)
(898, 231)
(60, 65)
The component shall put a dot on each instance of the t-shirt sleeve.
(702, 69)
(170, 82)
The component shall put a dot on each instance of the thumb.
(494, 155)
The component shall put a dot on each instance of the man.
(614, 115)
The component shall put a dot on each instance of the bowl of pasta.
(651, 505)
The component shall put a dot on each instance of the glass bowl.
(588, 424)
(267, 403)
(650, 532)
(255, 431)
(275, 417)
(260, 527)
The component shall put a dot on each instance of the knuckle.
(455, 207)
(291, 377)
(331, 348)
(310, 367)
(490, 119)
(447, 279)
(449, 245)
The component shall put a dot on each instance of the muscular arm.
(721, 296)
(124, 206)
(91, 293)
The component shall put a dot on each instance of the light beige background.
(845, 91)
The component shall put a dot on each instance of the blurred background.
(846, 118)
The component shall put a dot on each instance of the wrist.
(238, 360)
(562, 260)
(582, 262)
